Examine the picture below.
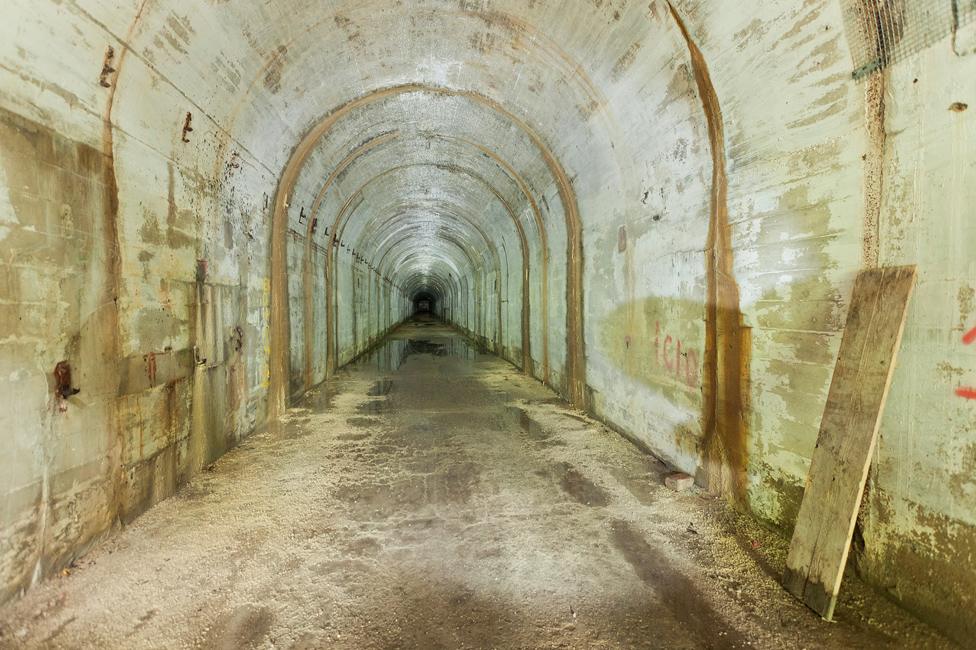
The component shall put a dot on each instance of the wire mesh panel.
(882, 32)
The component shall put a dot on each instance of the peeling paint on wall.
(608, 197)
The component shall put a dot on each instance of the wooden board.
(848, 432)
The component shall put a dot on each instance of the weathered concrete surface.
(556, 174)
(448, 502)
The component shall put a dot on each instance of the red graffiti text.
(676, 357)
(966, 392)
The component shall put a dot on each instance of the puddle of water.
(389, 356)
(363, 422)
(373, 407)
(522, 420)
(382, 387)
(353, 436)
(423, 346)
(319, 399)
(289, 429)
(581, 488)
(456, 347)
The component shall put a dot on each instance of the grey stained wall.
(657, 209)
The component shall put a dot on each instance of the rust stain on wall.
(274, 69)
(137, 410)
(111, 331)
(727, 340)
(625, 61)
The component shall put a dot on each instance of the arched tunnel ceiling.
(432, 136)
(535, 59)
(449, 144)
(499, 91)
(452, 154)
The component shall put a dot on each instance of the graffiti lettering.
(969, 337)
(966, 392)
(680, 361)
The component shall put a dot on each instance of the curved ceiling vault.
(434, 163)
(440, 146)
(408, 180)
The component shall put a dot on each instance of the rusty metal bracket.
(62, 380)
(187, 126)
(107, 69)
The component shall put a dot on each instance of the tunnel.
(424, 302)
(486, 323)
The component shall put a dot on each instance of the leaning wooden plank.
(839, 468)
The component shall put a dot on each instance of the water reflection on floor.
(425, 337)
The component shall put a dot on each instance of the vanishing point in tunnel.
(488, 324)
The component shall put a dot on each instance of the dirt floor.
(433, 497)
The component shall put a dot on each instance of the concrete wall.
(919, 525)
(658, 210)
(140, 259)
(827, 176)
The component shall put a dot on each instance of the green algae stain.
(658, 342)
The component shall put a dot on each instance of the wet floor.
(431, 496)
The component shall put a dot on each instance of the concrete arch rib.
(523, 244)
(353, 203)
(279, 362)
(381, 143)
(451, 213)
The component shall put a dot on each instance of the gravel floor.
(433, 497)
